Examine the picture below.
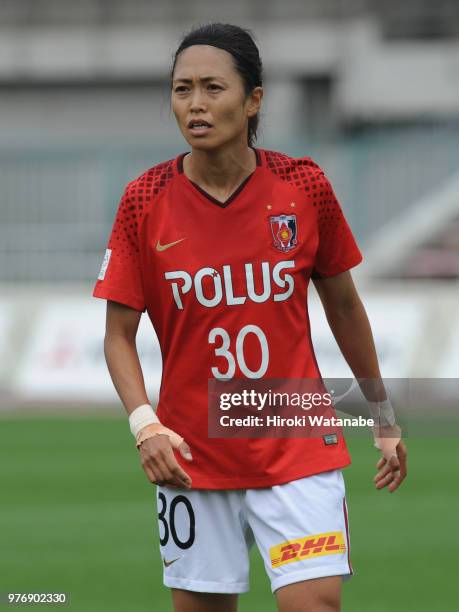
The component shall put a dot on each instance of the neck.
(220, 168)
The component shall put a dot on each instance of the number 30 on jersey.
(224, 351)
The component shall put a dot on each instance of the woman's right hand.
(159, 462)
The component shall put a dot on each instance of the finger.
(385, 481)
(402, 454)
(181, 478)
(178, 476)
(162, 466)
(158, 477)
(382, 472)
(149, 473)
(152, 460)
(388, 463)
(393, 473)
(384, 478)
(403, 467)
(402, 472)
(397, 481)
(185, 451)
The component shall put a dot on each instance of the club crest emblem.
(284, 231)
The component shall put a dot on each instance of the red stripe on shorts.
(347, 536)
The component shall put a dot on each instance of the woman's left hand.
(392, 469)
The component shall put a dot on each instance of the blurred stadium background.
(370, 90)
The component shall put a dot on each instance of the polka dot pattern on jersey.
(137, 195)
(335, 238)
(305, 174)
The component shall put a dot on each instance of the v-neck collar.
(204, 192)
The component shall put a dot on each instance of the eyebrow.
(206, 78)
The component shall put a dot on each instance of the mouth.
(199, 128)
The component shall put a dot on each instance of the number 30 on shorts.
(223, 351)
(169, 521)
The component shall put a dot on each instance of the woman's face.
(206, 86)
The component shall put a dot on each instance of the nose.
(197, 100)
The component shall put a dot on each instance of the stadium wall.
(51, 342)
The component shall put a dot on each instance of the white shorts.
(300, 528)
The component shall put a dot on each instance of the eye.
(179, 89)
(215, 85)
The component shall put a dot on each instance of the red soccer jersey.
(204, 270)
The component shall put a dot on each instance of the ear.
(255, 101)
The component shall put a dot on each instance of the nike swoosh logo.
(167, 563)
(163, 247)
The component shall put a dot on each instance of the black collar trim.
(210, 197)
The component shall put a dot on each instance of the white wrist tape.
(382, 413)
(387, 444)
(141, 417)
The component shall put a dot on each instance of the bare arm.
(351, 328)
(157, 456)
(349, 323)
(121, 355)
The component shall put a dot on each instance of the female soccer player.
(218, 246)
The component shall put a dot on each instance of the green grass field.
(78, 515)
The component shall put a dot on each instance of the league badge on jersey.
(284, 231)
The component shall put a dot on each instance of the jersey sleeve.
(337, 250)
(120, 277)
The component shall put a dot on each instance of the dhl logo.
(304, 548)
